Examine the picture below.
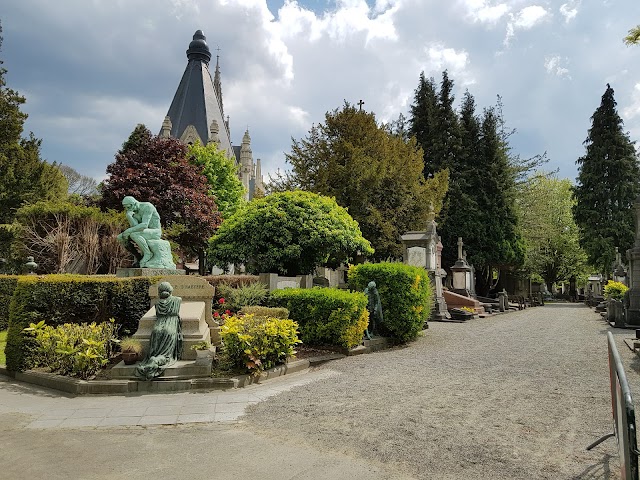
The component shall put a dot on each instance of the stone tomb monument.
(424, 249)
(195, 313)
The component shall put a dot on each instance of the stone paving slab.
(52, 409)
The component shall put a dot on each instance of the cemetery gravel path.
(514, 396)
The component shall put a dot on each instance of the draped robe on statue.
(165, 345)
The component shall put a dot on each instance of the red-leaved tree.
(155, 169)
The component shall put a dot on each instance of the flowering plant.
(218, 313)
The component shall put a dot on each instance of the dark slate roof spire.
(198, 48)
(197, 104)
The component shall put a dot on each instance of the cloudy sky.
(93, 69)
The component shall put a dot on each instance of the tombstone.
(619, 271)
(424, 249)
(472, 277)
(197, 322)
(461, 272)
(273, 281)
(503, 301)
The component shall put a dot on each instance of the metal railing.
(624, 417)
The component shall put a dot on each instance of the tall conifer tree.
(423, 121)
(607, 185)
(464, 182)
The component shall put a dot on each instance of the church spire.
(198, 48)
(217, 83)
(195, 113)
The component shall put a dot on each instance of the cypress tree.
(606, 186)
(464, 182)
(423, 123)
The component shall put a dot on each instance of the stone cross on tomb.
(460, 244)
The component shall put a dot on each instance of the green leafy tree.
(289, 233)
(374, 173)
(607, 185)
(24, 176)
(549, 231)
(222, 176)
(155, 169)
(633, 37)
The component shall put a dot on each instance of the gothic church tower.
(197, 114)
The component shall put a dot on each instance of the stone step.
(182, 369)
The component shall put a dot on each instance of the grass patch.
(3, 342)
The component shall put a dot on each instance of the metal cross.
(360, 103)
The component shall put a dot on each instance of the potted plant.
(131, 349)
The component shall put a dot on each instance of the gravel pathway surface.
(515, 396)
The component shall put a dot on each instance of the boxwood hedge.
(325, 316)
(59, 299)
(405, 294)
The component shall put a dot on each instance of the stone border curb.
(111, 387)
(81, 387)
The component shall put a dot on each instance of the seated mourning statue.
(143, 237)
(375, 310)
(165, 345)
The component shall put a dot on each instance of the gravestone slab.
(192, 289)
(193, 324)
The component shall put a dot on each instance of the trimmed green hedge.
(7, 286)
(405, 294)
(260, 311)
(325, 316)
(59, 299)
(234, 281)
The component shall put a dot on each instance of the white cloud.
(299, 116)
(633, 110)
(570, 10)
(553, 66)
(441, 58)
(481, 11)
(529, 16)
(525, 19)
(351, 17)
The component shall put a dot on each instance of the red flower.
(221, 301)
(216, 314)
(227, 312)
